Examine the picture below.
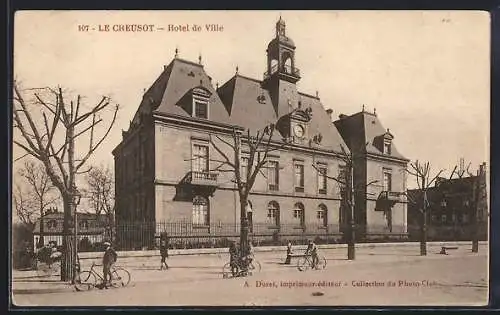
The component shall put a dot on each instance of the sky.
(427, 73)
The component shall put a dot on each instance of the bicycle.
(87, 279)
(306, 262)
(48, 264)
(254, 265)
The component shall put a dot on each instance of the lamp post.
(351, 250)
(76, 201)
(423, 231)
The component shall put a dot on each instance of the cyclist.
(312, 250)
(108, 260)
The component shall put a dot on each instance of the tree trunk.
(67, 262)
(41, 240)
(475, 239)
(423, 234)
(244, 226)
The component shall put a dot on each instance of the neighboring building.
(379, 174)
(167, 166)
(91, 227)
(454, 206)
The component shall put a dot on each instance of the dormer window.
(200, 97)
(384, 142)
(200, 109)
(387, 146)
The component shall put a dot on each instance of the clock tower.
(282, 75)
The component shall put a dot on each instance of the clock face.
(298, 130)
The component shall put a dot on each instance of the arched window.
(298, 213)
(322, 215)
(273, 213)
(287, 62)
(200, 210)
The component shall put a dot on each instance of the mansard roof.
(179, 78)
(241, 101)
(250, 106)
(363, 131)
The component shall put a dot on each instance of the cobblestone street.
(378, 276)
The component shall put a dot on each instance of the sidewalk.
(207, 251)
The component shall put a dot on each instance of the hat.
(107, 244)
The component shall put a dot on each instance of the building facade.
(91, 229)
(379, 175)
(455, 208)
(170, 167)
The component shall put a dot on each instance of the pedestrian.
(250, 254)
(233, 258)
(163, 251)
(108, 260)
(288, 253)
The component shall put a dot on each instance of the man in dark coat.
(163, 251)
(108, 260)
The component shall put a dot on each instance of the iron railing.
(184, 234)
(202, 178)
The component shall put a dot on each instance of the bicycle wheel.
(303, 263)
(321, 263)
(86, 281)
(55, 268)
(44, 270)
(255, 265)
(226, 271)
(120, 277)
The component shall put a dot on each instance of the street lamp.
(351, 250)
(76, 196)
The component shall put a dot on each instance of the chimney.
(329, 111)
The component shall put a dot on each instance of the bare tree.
(51, 139)
(41, 191)
(478, 192)
(348, 189)
(100, 192)
(424, 179)
(25, 207)
(257, 148)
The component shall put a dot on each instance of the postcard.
(250, 158)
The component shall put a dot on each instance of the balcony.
(390, 196)
(202, 178)
(285, 70)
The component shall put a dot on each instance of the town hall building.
(167, 165)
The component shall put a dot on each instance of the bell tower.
(282, 75)
(281, 56)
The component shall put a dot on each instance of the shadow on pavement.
(41, 291)
(175, 267)
(390, 254)
(38, 280)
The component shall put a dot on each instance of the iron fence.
(185, 235)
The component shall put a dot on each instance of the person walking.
(288, 253)
(233, 258)
(108, 260)
(164, 251)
